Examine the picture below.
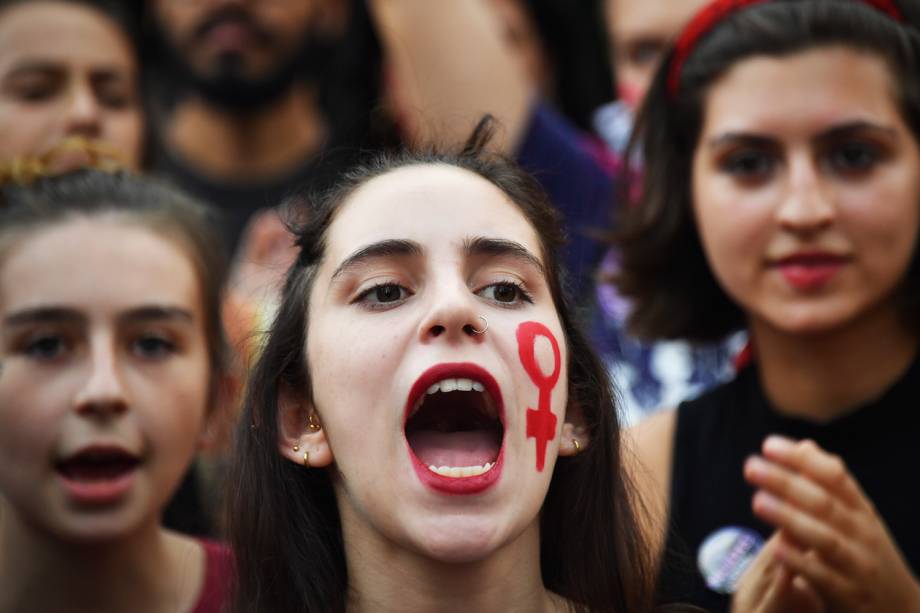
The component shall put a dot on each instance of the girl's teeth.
(459, 472)
(450, 385)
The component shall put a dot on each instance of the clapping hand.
(831, 549)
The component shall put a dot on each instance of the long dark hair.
(283, 520)
(663, 268)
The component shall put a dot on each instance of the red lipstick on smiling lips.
(98, 475)
(455, 430)
(810, 270)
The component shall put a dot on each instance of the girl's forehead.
(97, 261)
(434, 205)
(822, 85)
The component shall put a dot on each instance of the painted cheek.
(541, 422)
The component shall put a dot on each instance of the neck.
(387, 579)
(259, 145)
(150, 571)
(822, 376)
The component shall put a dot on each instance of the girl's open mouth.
(455, 428)
(98, 475)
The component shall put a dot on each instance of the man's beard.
(228, 88)
(230, 91)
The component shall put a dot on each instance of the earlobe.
(574, 439)
(301, 437)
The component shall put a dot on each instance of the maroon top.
(218, 572)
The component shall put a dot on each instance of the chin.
(813, 320)
(459, 541)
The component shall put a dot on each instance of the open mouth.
(454, 426)
(97, 464)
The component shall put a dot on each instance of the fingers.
(810, 565)
(768, 586)
(800, 491)
(810, 532)
(758, 583)
(825, 469)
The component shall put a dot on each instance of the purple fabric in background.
(578, 174)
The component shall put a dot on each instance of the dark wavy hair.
(283, 520)
(664, 268)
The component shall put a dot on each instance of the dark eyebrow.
(33, 66)
(386, 248)
(834, 133)
(741, 138)
(856, 127)
(158, 313)
(482, 245)
(66, 315)
(43, 315)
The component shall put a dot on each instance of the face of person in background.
(105, 377)
(240, 54)
(641, 31)
(521, 34)
(806, 184)
(66, 70)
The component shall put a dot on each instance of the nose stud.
(484, 327)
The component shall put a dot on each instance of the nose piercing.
(486, 327)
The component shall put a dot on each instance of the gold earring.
(306, 459)
(312, 424)
(296, 447)
(577, 445)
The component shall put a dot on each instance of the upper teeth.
(450, 385)
(462, 471)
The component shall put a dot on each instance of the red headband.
(715, 12)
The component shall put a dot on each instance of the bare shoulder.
(648, 449)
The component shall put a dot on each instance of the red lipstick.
(446, 484)
(810, 271)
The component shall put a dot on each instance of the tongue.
(95, 471)
(465, 448)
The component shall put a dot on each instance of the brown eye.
(505, 293)
(854, 157)
(383, 295)
(153, 347)
(46, 347)
(387, 293)
(749, 165)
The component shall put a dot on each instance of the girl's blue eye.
(46, 347)
(153, 347)
(505, 293)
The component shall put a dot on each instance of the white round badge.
(725, 555)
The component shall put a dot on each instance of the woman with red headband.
(782, 195)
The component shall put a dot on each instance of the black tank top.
(879, 441)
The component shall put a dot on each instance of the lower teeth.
(461, 471)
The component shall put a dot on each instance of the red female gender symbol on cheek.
(541, 423)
